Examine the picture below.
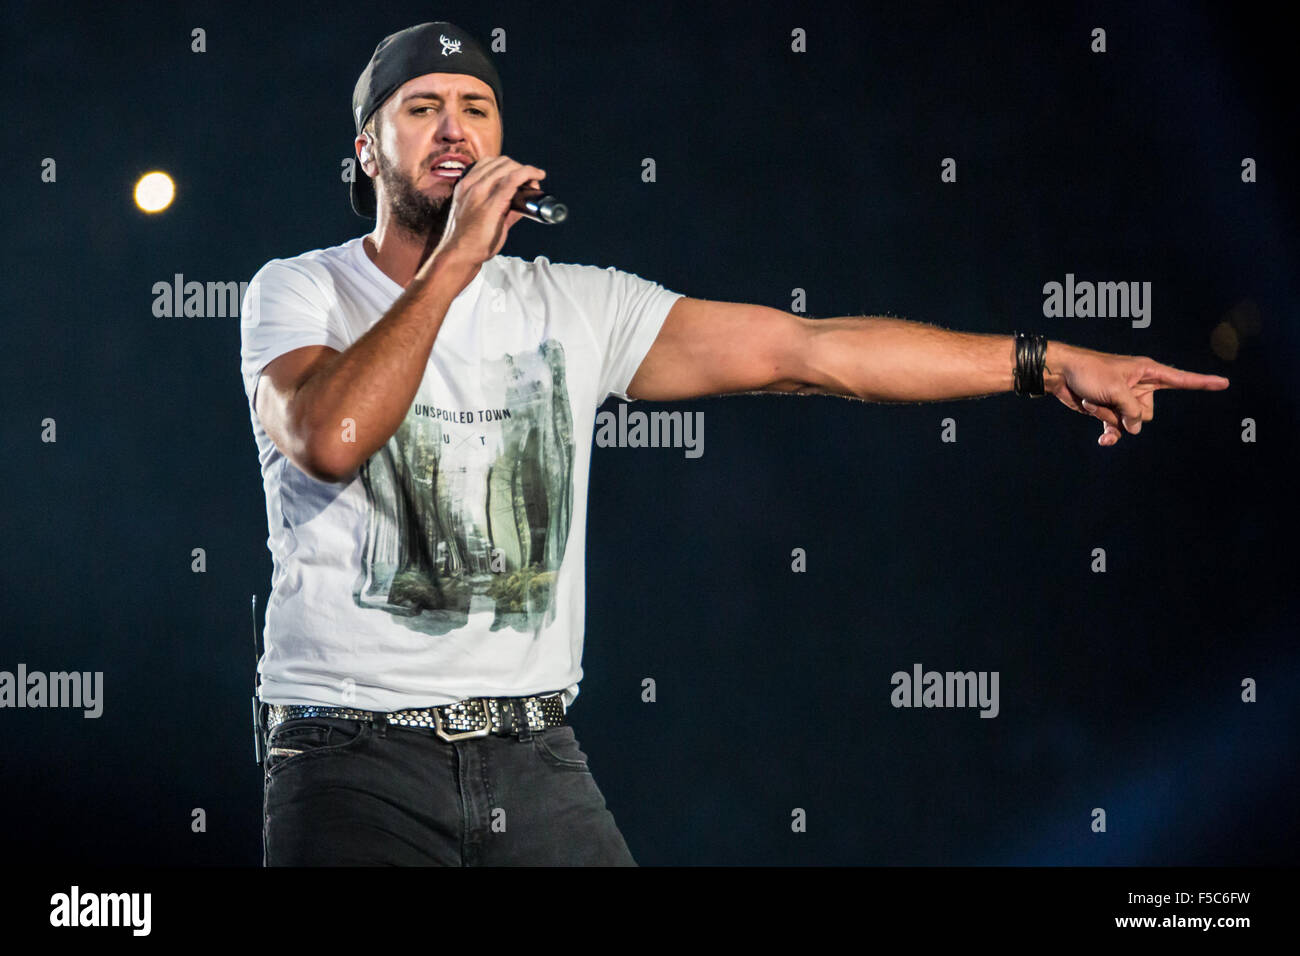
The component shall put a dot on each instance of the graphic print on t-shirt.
(469, 508)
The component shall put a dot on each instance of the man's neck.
(397, 252)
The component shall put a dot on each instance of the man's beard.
(412, 211)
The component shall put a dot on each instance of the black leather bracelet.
(1031, 360)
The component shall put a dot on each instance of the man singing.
(423, 408)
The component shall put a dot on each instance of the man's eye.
(421, 109)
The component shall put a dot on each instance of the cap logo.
(449, 46)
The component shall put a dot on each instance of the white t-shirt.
(452, 565)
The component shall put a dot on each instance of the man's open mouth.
(450, 169)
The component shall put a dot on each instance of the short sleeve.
(626, 312)
(284, 309)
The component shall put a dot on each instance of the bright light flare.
(154, 192)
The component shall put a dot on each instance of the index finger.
(1166, 376)
(479, 165)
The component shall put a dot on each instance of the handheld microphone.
(539, 205)
(535, 204)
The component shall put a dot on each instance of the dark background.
(776, 170)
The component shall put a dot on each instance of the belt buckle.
(481, 732)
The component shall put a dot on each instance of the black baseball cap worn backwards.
(438, 47)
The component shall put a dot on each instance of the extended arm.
(881, 359)
(714, 348)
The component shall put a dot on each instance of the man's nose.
(449, 127)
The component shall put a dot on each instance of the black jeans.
(352, 793)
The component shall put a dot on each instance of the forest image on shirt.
(471, 516)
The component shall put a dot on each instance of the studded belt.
(473, 717)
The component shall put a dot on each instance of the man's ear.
(366, 149)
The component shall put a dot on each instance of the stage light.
(154, 192)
